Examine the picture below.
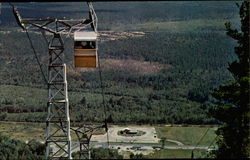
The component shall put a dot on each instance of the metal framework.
(58, 26)
(58, 103)
(58, 141)
(84, 134)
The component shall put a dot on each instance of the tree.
(83, 101)
(16, 149)
(136, 156)
(233, 107)
(163, 140)
(101, 153)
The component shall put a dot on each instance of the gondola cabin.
(85, 49)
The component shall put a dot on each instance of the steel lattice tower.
(58, 103)
(57, 138)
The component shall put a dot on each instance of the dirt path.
(174, 141)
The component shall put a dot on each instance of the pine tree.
(233, 107)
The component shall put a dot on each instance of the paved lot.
(150, 135)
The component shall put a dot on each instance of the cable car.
(85, 49)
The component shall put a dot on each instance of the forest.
(33, 150)
(191, 50)
(16, 149)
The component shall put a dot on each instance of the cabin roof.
(85, 36)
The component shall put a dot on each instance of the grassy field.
(23, 131)
(187, 135)
(28, 131)
(176, 153)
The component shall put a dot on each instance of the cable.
(11, 4)
(213, 141)
(103, 100)
(34, 51)
(192, 152)
(44, 36)
(33, 48)
(94, 19)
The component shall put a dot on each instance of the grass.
(23, 131)
(28, 131)
(126, 154)
(176, 153)
(187, 135)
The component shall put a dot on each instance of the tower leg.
(58, 139)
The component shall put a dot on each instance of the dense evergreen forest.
(186, 40)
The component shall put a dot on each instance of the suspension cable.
(37, 59)
(192, 153)
(103, 100)
(212, 141)
(94, 23)
(11, 4)
(33, 48)
(44, 36)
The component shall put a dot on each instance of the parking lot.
(150, 135)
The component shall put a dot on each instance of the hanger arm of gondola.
(66, 24)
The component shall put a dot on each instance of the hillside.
(164, 75)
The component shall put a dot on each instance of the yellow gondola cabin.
(85, 49)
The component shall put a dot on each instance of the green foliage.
(15, 149)
(233, 107)
(163, 140)
(176, 154)
(191, 46)
(181, 89)
(136, 156)
(101, 153)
